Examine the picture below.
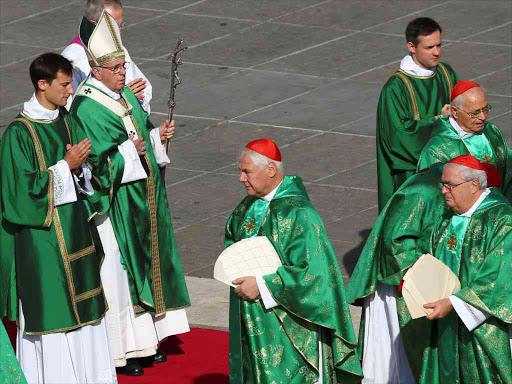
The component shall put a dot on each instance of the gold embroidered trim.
(416, 76)
(39, 121)
(89, 294)
(113, 33)
(105, 59)
(158, 296)
(444, 71)
(411, 94)
(84, 252)
(68, 328)
(42, 168)
(67, 267)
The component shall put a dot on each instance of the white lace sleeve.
(470, 316)
(158, 148)
(83, 182)
(133, 169)
(63, 184)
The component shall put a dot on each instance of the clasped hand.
(247, 288)
(76, 154)
(166, 130)
(441, 308)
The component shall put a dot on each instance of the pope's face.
(256, 180)
(113, 81)
(428, 50)
(58, 91)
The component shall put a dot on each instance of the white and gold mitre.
(102, 41)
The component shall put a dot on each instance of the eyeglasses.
(475, 114)
(117, 68)
(451, 187)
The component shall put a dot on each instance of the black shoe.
(159, 357)
(132, 368)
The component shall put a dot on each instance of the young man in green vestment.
(292, 326)
(50, 266)
(466, 131)
(411, 100)
(142, 274)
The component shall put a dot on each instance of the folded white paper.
(428, 280)
(254, 256)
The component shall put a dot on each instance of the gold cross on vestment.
(487, 159)
(249, 227)
(452, 242)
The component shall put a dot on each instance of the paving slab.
(12, 12)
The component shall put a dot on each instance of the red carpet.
(197, 357)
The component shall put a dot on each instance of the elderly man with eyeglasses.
(467, 131)
(76, 53)
(142, 274)
(467, 337)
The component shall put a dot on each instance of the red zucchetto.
(461, 87)
(265, 147)
(493, 175)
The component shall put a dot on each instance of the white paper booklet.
(428, 280)
(254, 256)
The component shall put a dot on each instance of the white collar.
(102, 87)
(462, 133)
(477, 204)
(271, 195)
(36, 111)
(408, 65)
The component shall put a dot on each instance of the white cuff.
(266, 296)
(86, 175)
(145, 104)
(470, 316)
(133, 169)
(63, 184)
(158, 149)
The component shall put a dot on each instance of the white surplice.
(81, 356)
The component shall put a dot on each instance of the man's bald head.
(470, 109)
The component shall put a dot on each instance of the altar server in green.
(399, 237)
(467, 338)
(411, 100)
(49, 262)
(142, 274)
(292, 326)
(466, 131)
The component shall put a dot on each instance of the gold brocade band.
(444, 71)
(89, 294)
(107, 58)
(84, 252)
(411, 94)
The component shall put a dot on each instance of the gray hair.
(458, 102)
(261, 161)
(467, 174)
(93, 8)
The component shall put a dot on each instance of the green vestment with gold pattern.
(280, 345)
(138, 210)
(444, 350)
(47, 253)
(10, 371)
(489, 146)
(408, 106)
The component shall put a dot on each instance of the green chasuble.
(489, 146)
(47, 252)
(138, 210)
(281, 345)
(10, 371)
(399, 237)
(408, 106)
(478, 251)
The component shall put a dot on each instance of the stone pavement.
(306, 72)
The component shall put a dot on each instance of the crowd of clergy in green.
(444, 188)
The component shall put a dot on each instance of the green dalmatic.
(48, 257)
(138, 210)
(408, 106)
(489, 146)
(281, 345)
